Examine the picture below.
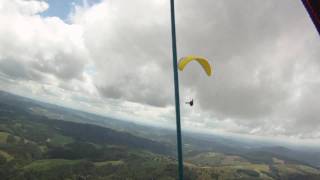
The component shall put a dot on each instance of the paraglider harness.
(191, 102)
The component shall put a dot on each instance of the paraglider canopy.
(201, 60)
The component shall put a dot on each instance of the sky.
(113, 57)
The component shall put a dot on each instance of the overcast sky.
(113, 57)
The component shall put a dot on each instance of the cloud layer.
(116, 59)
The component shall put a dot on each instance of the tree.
(11, 139)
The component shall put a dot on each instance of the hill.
(37, 141)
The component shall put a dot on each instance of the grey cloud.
(137, 89)
(65, 66)
(237, 37)
(305, 113)
(18, 71)
(130, 51)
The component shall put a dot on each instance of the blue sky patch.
(62, 8)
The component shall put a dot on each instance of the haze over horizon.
(109, 58)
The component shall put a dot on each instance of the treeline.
(101, 135)
(84, 150)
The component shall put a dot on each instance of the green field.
(3, 137)
(60, 140)
(113, 163)
(48, 164)
(7, 156)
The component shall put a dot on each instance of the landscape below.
(44, 141)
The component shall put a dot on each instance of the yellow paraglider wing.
(201, 60)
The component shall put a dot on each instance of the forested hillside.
(36, 146)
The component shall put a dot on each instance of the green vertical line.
(176, 89)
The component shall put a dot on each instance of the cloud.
(258, 51)
(130, 50)
(38, 46)
(23, 7)
(117, 59)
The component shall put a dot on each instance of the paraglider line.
(176, 89)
